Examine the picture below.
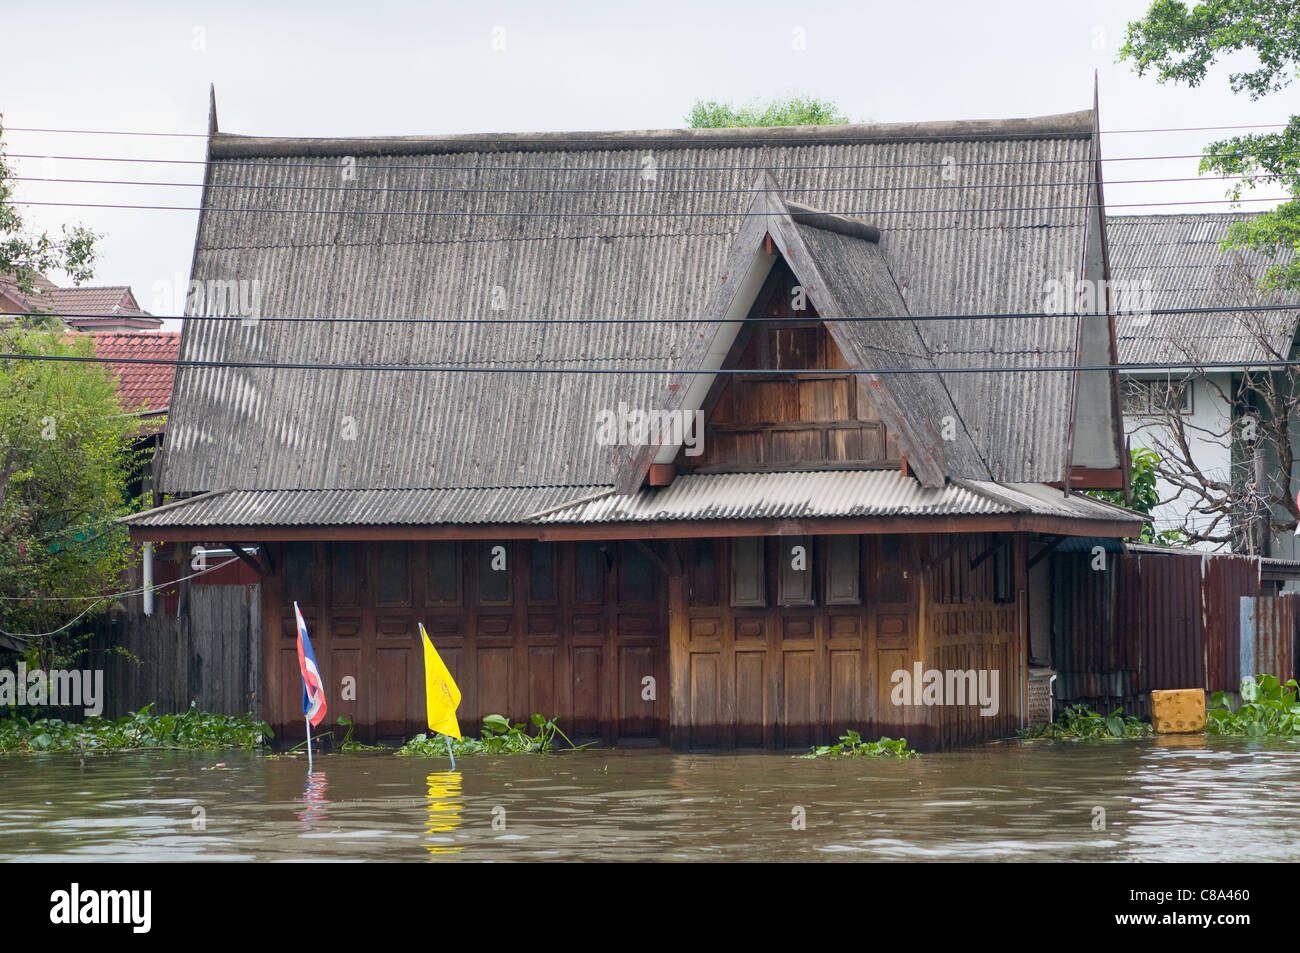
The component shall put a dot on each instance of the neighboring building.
(109, 308)
(1178, 260)
(853, 515)
(142, 389)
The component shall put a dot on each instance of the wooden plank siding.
(207, 654)
(782, 676)
(580, 651)
(573, 629)
(785, 420)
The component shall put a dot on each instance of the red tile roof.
(112, 304)
(141, 386)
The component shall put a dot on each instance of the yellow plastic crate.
(1179, 711)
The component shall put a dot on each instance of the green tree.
(1143, 496)
(64, 461)
(1179, 45)
(65, 452)
(794, 111)
(27, 254)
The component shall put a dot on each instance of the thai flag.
(313, 689)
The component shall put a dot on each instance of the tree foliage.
(65, 450)
(1143, 496)
(794, 111)
(27, 254)
(65, 457)
(1179, 45)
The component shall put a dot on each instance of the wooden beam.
(984, 556)
(248, 559)
(1045, 551)
(651, 555)
(674, 529)
(951, 548)
(675, 561)
(661, 474)
(1088, 478)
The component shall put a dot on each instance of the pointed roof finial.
(212, 109)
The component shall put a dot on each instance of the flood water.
(1218, 800)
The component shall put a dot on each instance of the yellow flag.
(440, 692)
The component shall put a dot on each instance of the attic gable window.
(1156, 398)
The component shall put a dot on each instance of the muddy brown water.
(1216, 800)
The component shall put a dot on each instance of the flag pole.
(307, 718)
(449, 752)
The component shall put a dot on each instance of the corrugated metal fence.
(1152, 621)
(1268, 635)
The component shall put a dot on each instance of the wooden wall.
(576, 640)
(208, 654)
(783, 419)
(789, 676)
(977, 619)
(575, 629)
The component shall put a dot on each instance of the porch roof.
(691, 498)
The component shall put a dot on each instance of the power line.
(575, 214)
(983, 316)
(696, 133)
(125, 592)
(290, 162)
(98, 600)
(514, 369)
(598, 191)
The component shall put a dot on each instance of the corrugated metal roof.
(1180, 256)
(690, 497)
(861, 284)
(827, 494)
(408, 507)
(1001, 232)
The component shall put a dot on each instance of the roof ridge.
(1077, 124)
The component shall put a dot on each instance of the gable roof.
(838, 263)
(86, 306)
(563, 226)
(141, 387)
(1180, 256)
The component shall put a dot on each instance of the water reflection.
(314, 805)
(444, 807)
(1122, 801)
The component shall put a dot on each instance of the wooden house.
(472, 394)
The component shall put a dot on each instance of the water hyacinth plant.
(1079, 723)
(192, 729)
(852, 746)
(1267, 708)
(497, 737)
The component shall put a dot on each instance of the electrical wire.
(994, 210)
(543, 321)
(697, 132)
(27, 636)
(514, 369)
(597, 191)
(291, 162)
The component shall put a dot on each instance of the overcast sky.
(332, 68)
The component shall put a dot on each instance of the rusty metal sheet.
(1268, 636)
(1225, 579)
(1159, 621)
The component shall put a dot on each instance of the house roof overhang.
(866, 526)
